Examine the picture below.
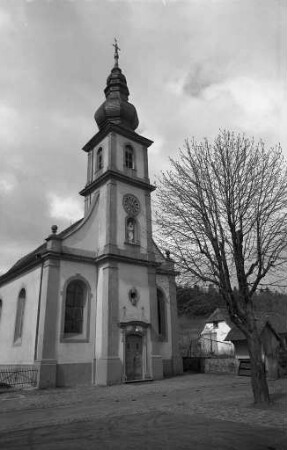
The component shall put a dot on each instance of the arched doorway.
(133, 357)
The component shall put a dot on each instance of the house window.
(20, 316)
(76, 296)
(100, 159)
(161, 315)
(129, 157)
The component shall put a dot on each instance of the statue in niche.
(131, 230)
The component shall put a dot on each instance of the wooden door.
(133, 357)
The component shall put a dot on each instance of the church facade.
(96, 303)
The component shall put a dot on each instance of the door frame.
(137, 335)
(137, 328)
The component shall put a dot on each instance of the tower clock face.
(131, 204)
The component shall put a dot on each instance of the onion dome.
(116, 108)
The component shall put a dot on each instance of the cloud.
(252, 104)
(258, 103)
(9, 122)
(192, 68)
(64, 208)
(8, 183)
(202, 76)
(6, 22)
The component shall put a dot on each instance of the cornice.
(110, 127)
(168, 272)
(15, 273)
(42, 259)
(63, 256)
(125, 259)
(116, 175)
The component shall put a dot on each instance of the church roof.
(33, 258)
(116, 108)
(25, 260)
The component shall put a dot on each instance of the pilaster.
(46, 346)
(149, 226)
(108, 364)
(176, 358)
(111, 216)
(145, 161)
(156, 358)
(112, 160)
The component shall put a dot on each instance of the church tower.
(118, 175)
(106, 312)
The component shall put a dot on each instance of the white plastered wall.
(165, 346)
(220, 332)
(133, 276)
(138, 155)
(129, 276)
(77, 352)
(92, 159)
(23, 353)
(90, 235)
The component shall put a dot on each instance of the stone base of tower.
(157, 367)
(177, 368)
(72, 374)
(172, 366)
(47, 372)
(108, 371)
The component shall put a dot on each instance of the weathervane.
(116, 55)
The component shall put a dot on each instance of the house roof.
(276, 322)
(219, 315)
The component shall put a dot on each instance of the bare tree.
(222, 211)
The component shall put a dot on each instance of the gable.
(158, 254)
(220, 315)
(264, 327)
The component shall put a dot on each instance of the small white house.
(215, 330)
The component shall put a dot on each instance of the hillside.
(194, 301)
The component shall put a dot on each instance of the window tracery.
(76, 294)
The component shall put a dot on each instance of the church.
(96, 302)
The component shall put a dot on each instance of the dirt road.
(190, 412)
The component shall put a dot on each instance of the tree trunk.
(258, 374)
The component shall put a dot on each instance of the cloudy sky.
(192, 67)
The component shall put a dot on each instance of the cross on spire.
(116, 55)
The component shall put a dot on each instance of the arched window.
(100, 159)
(161, 315)
(76, 295)
(131, 230)
(129, 157)
(20, 316)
